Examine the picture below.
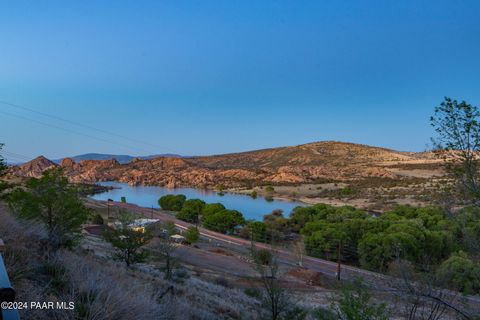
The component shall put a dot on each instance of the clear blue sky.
(204, 77)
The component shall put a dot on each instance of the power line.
(13, 160)
(71, 131)
(80, 124)
(16, 155)
(9, 158)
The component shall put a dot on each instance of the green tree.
(277, 226)
(128, 241)
(325, 242)
(3, 165)
(211, 208)
(192, 235)
(53, 201)
(256, 230)
(467, 224)
(224, 221)
(172, 202)
(458, 128)
(376, 251)
(191, 210)
(302, 215)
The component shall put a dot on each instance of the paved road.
(319, 265)
(326, 267)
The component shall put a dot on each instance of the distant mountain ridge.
(307, 163)
(121, 158)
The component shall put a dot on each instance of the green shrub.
(192, 235)
(347, 191)
(253, 292)
(460, 273)
(353, 301)
(263, 256)
(57, 276)
(221, 281)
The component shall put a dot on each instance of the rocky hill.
(33, 168)
(122, 158)
(306, 163)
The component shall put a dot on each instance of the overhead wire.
(72, 131)
(45, 114)
(8, 154)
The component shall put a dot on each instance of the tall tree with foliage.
(172, 202)
(53, 201)
(191, 210)
(128, 241)
(3, 165)
(276, 226)
(254, 230)
(458, 129)
(224, 221)
(211, 208)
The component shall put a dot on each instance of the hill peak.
(35, 167)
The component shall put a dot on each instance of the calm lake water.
(148, 197)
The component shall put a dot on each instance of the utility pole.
(109, 201)
(339, 269)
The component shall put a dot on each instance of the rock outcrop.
(34, 168)
(299, 164)
(67, 163)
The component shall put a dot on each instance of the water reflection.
(147, 196)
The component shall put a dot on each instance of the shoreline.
(230, 191)
(302, 201)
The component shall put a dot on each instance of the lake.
(147, 196)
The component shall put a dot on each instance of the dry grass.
(104, 289)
